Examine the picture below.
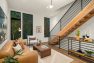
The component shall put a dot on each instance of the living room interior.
(46, 31)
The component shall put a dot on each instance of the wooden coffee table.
(42, 50)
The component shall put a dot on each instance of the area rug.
(55, 57)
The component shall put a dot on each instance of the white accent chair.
(32, 40)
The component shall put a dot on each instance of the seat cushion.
(18, 48)
(33, 41)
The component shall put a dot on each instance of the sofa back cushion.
(7, 50)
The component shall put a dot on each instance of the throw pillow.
(17, 48)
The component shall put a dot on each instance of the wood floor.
(76, 60)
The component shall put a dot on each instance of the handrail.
(64, 21)
(63, 15)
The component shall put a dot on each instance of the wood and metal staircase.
(76, 22)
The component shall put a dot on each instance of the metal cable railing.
(75, 8)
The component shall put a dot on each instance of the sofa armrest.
(7, 50)
(29, 57)
(1, 60)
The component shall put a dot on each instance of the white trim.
(21, 25)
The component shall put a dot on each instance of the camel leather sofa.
(27, 56)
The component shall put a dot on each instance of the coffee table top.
(42, 47)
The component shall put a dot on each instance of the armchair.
(31, 40)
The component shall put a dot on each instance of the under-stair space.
(79, 19)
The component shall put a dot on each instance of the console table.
(79, 54)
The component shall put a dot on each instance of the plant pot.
(78, 38)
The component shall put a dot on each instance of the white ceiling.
(38, 6)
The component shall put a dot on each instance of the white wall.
(38, 20)
(58, 16)
(4, 6)
(86, 28)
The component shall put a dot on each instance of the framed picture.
(38, 29)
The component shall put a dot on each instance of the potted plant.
(40, 41)
(89, 53)
(12, 59)
(77, 34)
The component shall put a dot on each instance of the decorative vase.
(78, 35)
(83, 36)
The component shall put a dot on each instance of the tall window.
(46, 27)
(27, 25)
(15, 25)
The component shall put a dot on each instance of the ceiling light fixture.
(51, 5)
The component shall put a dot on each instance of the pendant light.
(51, 5)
